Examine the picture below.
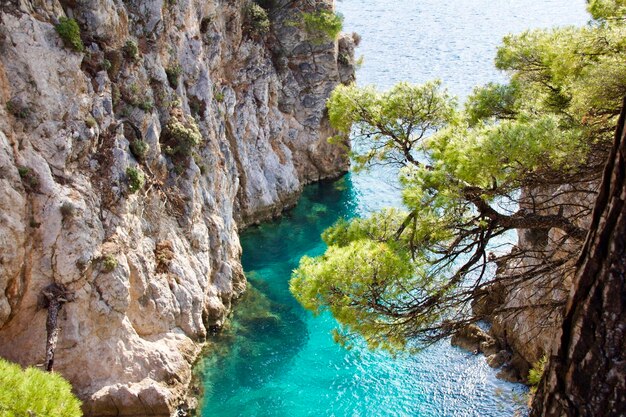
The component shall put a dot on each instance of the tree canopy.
(400, 279)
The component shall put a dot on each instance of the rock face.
(526, 314)
(126, 169)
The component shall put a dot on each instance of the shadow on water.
(298, 230)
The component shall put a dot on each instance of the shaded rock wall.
(527, 314)
(151, 271)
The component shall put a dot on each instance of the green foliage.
(256, 20)
(116, 94)
(356, 297)
(323, 25)
(182, 136)
(69, 31)
(218, 95)
(573, 73)
(137, 97)
(140, 149)
(30, 179)
(607, 9)
(31, 392)
(173, 75)
(501, 153)
(67, 210)
(17, 109)
(492, 101)
(395, 278)
(343, 58)
(136, 179)
(536, 372)
(23, 171)
(131, 50)
(90, 122)
(391, 124)
(109, 263)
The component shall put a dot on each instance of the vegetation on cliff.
(461, 174)
(31, 392)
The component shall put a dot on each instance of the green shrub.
(90, 122)
(113, 62)
(69, 31)
(131, 50)
(31, 392)
(536, 372)
(218, 95)
(173, 75)
(136, 179)
(343, 58)
(109, 263)
(17, 109)
(139, 149)
(257, 22)
(145, 104)
(106, 64)
(182, 136)
(116, 94)
(323, 25)
(30, 179)
(137, 96)
(67, 210)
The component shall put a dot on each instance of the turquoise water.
(274, 358)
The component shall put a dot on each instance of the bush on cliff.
(322, 26)
(69, 31)
(257, 22)
(31, 392)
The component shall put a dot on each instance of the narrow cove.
(275, 359)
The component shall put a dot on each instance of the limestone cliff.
(125, 169)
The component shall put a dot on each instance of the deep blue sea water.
(275, 359)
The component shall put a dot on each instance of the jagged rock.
(474, 339)
(496, 360)
(509, 373)
(151, 271)
(526, 316)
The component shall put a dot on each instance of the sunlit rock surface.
(151, 271)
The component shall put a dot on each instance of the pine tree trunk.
(586, 376)
(52, 330)
(52, 298)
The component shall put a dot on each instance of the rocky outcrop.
(126, 168)
(525, 303)
(474, 339)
